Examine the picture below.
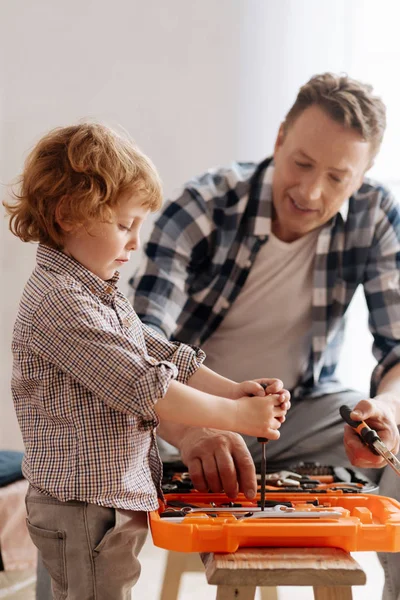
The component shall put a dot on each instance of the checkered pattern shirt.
(205, 243)
(85, 380)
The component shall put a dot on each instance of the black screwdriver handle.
(345, 412)
(367, 435)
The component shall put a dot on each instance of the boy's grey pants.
(313, 431)
(89, 551)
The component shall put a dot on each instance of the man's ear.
(365, 171)
(280, 137)
(61, 217)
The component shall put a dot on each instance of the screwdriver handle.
(367, 435)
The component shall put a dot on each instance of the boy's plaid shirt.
(205, 243)
(86, 377)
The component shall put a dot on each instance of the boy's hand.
(260, 416)
(273, 386)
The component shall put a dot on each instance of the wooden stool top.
(283, 567)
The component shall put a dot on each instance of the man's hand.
(378, 414)
(217, 461)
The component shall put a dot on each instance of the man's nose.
(312, 187)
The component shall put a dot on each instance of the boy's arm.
(209, 381)
(72, 334)
(256, 416)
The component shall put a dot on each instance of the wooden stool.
(330, 571)
(179, 563)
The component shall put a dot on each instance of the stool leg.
(340, 592)
(269, 593)
(174, 567)
(231, 592)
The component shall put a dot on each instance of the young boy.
(90, 382)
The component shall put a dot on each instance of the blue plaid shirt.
(204, 244)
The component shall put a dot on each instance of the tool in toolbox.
(307, 477)
(370, 438)
(292, 481)
(279, 510)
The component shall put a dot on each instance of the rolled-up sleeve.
(84, 343)
(187, 359)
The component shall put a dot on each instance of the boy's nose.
(134, 243)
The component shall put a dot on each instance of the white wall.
(197, 84)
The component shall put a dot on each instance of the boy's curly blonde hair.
(79, 173)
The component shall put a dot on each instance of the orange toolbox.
(326, 514)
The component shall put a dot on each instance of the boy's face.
(103, 247)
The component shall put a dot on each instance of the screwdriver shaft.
(263, 473)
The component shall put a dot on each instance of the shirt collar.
(344, 209)
(263, 221)
(54, 260)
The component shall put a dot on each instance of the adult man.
(264, 260)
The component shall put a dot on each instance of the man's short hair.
(347, 101)
(80, 170)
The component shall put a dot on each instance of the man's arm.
(390, 388)
(381, 413)
(175, 254)
(382, 293)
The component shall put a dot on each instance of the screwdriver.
(263, 441)
(370, 438)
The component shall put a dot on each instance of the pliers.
(370, 438)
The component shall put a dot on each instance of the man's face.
(318, 165)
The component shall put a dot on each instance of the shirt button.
(109, 289)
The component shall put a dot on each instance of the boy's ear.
(61, 217)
